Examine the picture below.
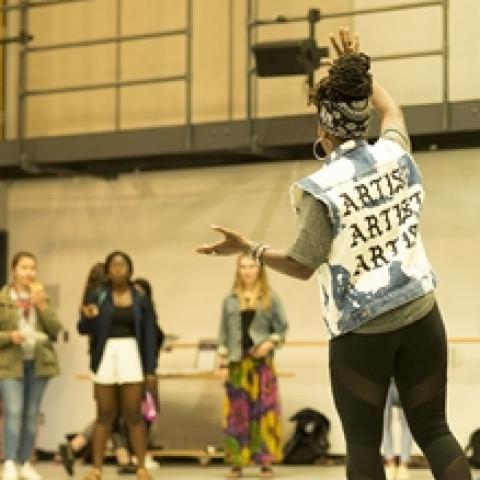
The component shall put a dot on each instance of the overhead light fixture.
(287, 57)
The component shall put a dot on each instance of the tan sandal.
(266, 472)
(142, 474)
(235, 472)
(93, 474)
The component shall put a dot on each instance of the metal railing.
(253, 23)
(24, 38)
(252, 26)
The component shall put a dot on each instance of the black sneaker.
(67, 456)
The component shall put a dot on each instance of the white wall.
(160, 217)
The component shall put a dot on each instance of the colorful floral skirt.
(252, 413)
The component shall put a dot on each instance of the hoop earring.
(316, 146)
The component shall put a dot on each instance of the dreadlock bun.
(348, 79)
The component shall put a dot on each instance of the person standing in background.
(406, 441)
(123, 357)
(80, 444)
(28, 328)
(253, 324)
(144, 286)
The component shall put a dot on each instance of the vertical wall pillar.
(3, 235)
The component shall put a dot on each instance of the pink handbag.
(149, 407)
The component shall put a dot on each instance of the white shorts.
(120, 363)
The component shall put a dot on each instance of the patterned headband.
(345, 119)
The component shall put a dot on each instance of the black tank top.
(247, 319)
(123, 322)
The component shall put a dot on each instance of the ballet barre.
(294, 343)
(323, 343)
(188, 375)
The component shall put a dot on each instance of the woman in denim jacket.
(253, 324)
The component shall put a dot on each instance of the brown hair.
(22, 254)
(264, 290)
(96, 278)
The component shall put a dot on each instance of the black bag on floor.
(310, 439)
(474, 447)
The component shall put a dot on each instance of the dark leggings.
(360, 368)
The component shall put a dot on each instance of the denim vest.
(377, 262)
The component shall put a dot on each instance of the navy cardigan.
(98, 328)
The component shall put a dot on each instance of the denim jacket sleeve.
(279, 322)
(223, 332)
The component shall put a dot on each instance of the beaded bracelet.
(261, 251)
(257, 251)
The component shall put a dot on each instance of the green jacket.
(11, 355)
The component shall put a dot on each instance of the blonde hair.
(264, 296)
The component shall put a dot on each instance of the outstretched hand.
(231, 244)
(90, 310)
(347, 44)
(262, 350)
(344, 45)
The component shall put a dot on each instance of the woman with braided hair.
(359, 230)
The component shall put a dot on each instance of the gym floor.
(194, 472)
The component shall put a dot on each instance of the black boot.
(68, 457)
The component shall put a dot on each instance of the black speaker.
(287, 57)
(3, 257)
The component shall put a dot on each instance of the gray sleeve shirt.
(315, 235)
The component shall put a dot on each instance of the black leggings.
(361, 366)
